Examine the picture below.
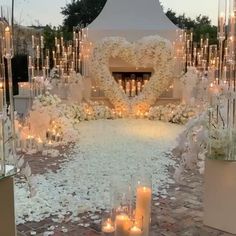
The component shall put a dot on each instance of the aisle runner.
(106, 148)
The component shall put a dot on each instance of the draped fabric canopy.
(132, 19)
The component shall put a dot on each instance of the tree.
(81, 12)
(204, 27)
(201, 25)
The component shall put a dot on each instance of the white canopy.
(132, 19)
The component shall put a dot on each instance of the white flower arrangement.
(85, 111)
(47, 99)
(179, 114)
(202, 138)
(191, 146)
(151, 51)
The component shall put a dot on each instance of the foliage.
(81, 12)
(50, 32)
(201, 26)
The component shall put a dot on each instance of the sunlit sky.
(28, 12)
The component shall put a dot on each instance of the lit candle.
(7, 40)
(32, 70)
(143, 208)
(33, 45)
(1, 96)
(122, 225)
(40, 145)
(30, 62)
(44, 72)
(87, 32)
(47, 62)
(29, 142)
(58, 48)
(135, 231)
(37, 52)
(42, 41)
(108, 229)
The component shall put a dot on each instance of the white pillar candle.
(1, 96)
(37, 52)
(7, 40)
(58, 48)
(30, 62)
(47, 62)
(32, 70)
(33, 45)
(42, 41)
(143, 208)
(40, 145)
(122, 225)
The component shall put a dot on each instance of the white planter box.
(220, 195)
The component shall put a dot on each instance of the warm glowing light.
(7, 29)
(40, 140)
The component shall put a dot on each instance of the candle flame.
(7, 29)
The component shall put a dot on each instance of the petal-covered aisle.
(105, 149)
(68, 202)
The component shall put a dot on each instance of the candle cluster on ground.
(132, 217)
(29, 141)
(54, 132)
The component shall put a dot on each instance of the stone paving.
(180, 213)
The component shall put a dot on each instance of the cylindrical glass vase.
(108, 224)
(121, 205)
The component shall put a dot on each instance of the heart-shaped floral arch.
(151, 51)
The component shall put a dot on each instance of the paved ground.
(179, 214)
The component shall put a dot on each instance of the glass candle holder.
(121, 203)
(136, 228)
(108, 225)
(120, 195)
